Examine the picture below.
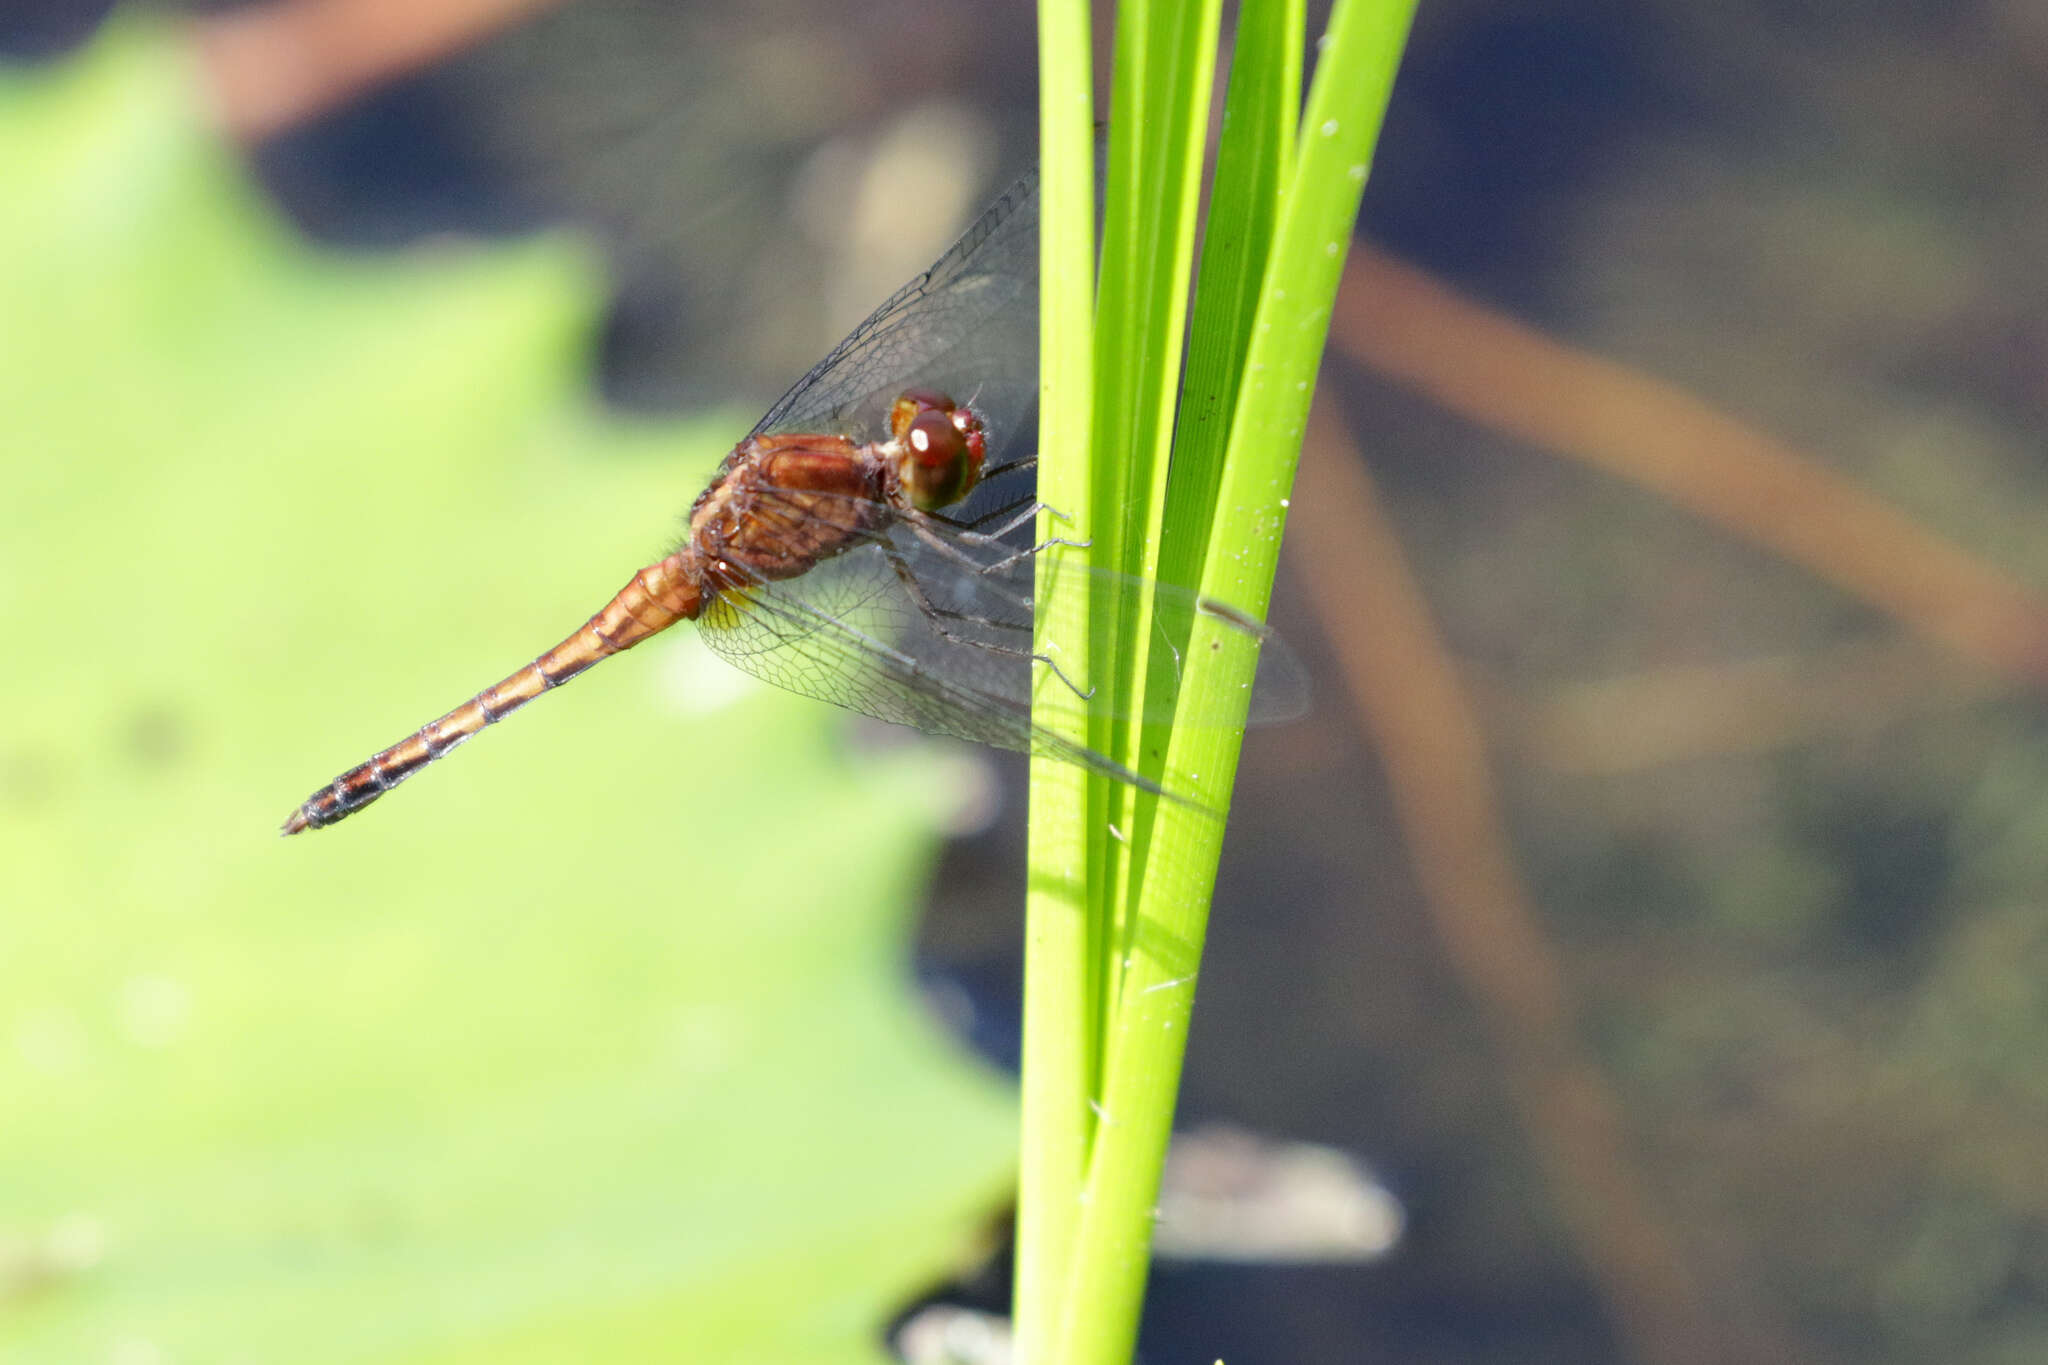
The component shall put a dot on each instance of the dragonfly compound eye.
(944, 457)
(912, 404)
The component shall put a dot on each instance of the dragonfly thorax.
(784, 502)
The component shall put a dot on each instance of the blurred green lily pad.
(596, 1042)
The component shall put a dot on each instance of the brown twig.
(1409, 698)
(272, 67)
(1402, 324)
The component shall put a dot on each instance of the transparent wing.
(931, 627)
(967, 327)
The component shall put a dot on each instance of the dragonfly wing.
(948, 614)
(848, 633)
(967, 327)
(847, 640)
(995, 600)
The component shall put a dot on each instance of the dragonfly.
(857, 545)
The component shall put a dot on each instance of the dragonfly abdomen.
(660, 595)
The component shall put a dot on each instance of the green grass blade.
(1062, 1024)
(1148, 1027)
(1347, 104)
(1166, 59)
(1160, 100)
(1166, 105)
(1253, 158)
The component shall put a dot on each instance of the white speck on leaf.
(154, 1010)
(1330, 128)
(77, 1241)
(51, 1041)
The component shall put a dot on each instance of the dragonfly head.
(941, 447)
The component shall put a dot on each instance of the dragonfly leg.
(938, 616)
(1024, 515)
(1019, 512)
(920, 526)
(1018, 465)
(1034, 551)
(1022, 462)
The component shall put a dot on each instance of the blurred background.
(1654, 900)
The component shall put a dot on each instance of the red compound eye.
(911, 404)
(934, 441)
(940, 470)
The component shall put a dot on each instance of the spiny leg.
(1029, 504)
(921, 523)
(1025, 508)
(1021, 463)
(938, 616)
(1028, 501)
